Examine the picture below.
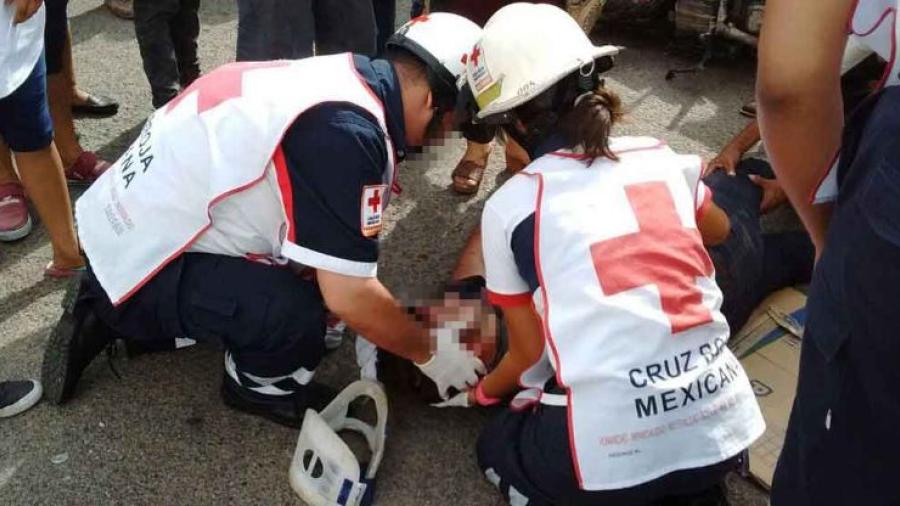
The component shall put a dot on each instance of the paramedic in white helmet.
(627, 392)
(252, 202)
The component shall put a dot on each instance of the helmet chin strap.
(529, 141)
(554, 106)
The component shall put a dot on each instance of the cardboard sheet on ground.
(769, 348)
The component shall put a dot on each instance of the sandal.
(86, 169)
(467, 176)
(516, 157)
(52, 271)
(749, 109)
(96, 105)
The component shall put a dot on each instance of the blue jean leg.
(751, 264)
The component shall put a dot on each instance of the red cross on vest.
(662, 252)
(375, 201)
(222, 84)
(476, 54)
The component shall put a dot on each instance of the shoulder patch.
(371, 209)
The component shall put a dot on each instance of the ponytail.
(589, 123)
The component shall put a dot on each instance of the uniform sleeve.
(334, 157)
(703, 200)
(692, 169)
(505, 285)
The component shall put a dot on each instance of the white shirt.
(20, 47)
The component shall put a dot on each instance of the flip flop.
(96, 105)
(749, 109)
(51, 271)
(86, 169)
(471, 172)
(516, 157)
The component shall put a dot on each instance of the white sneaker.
(18, 396)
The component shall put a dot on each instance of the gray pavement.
(160, 435)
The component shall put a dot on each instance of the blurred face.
(477, 318)
(418, 114)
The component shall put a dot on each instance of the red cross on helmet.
(440, 40)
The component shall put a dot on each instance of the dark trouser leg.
(385, 17)
(270, 321)
(185, 28)
(275, 29)
(55, 33)
(842, 439)
(151, 26)
(526, 456)
(788, 260)
(345, 25)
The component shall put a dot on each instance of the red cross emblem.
(375, 201)
(224, 83)
(476, 54)
(662, 252)
(465, 58)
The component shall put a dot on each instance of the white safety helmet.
(443, 41)
(525, 49)
(324, 471)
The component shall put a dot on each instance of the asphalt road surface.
(160, 434)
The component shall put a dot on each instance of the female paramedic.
(628, 393)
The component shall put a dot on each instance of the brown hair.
(589, 123)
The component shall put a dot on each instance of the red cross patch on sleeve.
(371, 209)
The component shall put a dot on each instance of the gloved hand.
(451, 365)
(460, 400)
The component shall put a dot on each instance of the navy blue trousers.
(527, 456)
(843, 442)
(271, 320)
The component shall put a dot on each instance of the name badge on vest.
(371, 209)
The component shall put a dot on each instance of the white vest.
(212, 142)
(875, 26)
(631, 316)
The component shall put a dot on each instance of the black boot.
(77, 338)
(286, 410)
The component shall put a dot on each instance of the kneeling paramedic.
(595, 252)
(251, 202)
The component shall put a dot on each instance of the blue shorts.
(25, 123)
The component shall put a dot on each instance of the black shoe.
(286, 410)
(96, 106)
(18, 396)
(77, 338)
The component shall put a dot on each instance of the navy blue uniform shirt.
(333, 151)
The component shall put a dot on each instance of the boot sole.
(238, 404)
(55, 369)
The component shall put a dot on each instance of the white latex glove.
(451, 365)
(460, 400)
